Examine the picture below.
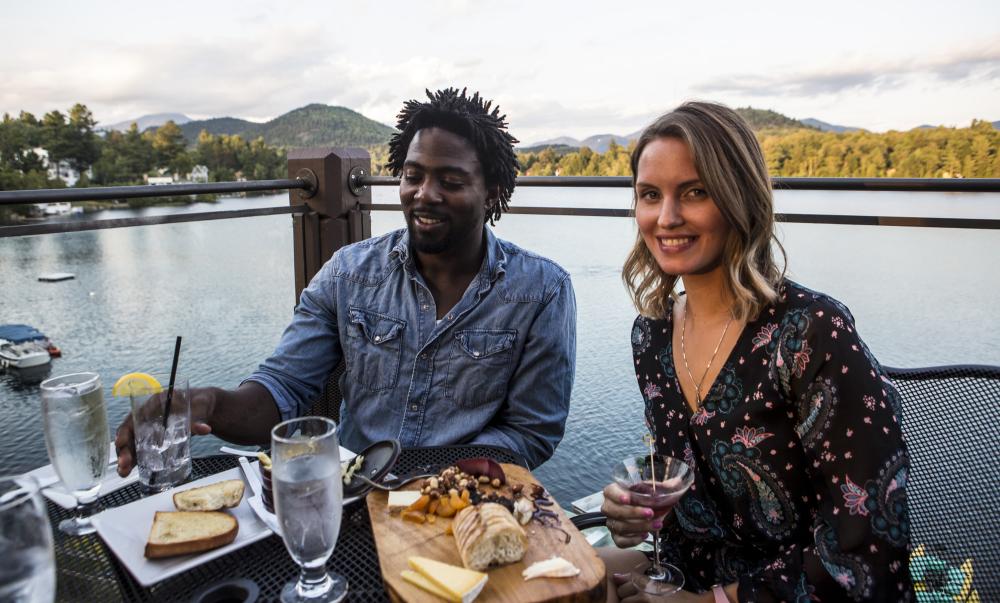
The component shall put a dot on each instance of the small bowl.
(379, 459)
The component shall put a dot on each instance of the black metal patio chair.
(951, 422)
(328, 402)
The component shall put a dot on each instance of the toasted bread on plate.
(184, 532)
(226, 494)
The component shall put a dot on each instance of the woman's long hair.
(731, 165)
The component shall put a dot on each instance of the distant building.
(199, 173)
(63, 171)
(159, 180)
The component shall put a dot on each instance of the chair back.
(951, 422)
(328, 402)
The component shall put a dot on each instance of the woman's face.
(679, 222)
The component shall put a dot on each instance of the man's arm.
(533, 416)
(281, 388)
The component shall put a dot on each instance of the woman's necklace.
(698, 384)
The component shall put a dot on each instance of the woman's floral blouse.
(801, 469)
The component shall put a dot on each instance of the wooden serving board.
(397, 540)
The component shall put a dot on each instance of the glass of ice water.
(28, 570)
(308, 499)
(162, 448)
(76, 436)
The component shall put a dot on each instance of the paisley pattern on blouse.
(666, 360)
(640, 336)
(790, 350)
(886, 501)
(796, 442)
(849, 571)
(726, 393)
(804, 591)
(698, 518)
(815, 411)
(742, 472)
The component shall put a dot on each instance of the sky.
(556, 68)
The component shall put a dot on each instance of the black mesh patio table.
(87, 570)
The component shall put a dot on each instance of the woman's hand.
(629, 524)
(628, 593)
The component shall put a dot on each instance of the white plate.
(125, 530)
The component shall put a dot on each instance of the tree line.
(972, 152)
(122, 158)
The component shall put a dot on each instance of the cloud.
(217, 77)
(979, 64)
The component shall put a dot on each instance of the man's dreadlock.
(470, 118)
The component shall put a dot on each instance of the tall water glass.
(76, 436)
(308, 499)
(28, 569)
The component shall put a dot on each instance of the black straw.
(173, 375)
(170, 395)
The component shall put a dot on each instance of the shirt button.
(378, 338)
(414, 407)
(476, 354)
(424, 307)
(451, 317)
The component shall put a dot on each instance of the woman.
(762, 386)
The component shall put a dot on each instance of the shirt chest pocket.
(374, 348)
(480, 365)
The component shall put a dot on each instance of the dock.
(55, 277)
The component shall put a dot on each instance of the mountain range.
(147, 121)
(314, 125)
(326, 125)
(759, 119)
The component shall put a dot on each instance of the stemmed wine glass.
(76, 436)
(308, 500)
(656, 482)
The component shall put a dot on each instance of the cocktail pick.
(652, 461)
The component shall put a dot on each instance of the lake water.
(921, 296)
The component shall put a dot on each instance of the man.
(449, 334)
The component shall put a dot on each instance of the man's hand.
(203, 402)
(629, 524)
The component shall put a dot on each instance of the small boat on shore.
(24, 346)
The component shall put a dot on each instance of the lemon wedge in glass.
(136, 384)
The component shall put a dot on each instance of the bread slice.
(487, 535)
(226, 494)
(185, 532)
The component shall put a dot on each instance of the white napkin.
(57, 492)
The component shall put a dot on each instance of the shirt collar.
(495, 262)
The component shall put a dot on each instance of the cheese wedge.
(453, 583)
(400, 499)
(556, 567)
(417, 580)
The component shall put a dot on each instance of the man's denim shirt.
(497, 369)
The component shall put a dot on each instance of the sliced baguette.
(487, 535)
(184, 532)
(226, 494)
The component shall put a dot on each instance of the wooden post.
(335, 219)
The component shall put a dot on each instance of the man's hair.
(470, 118)
(731, 165)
